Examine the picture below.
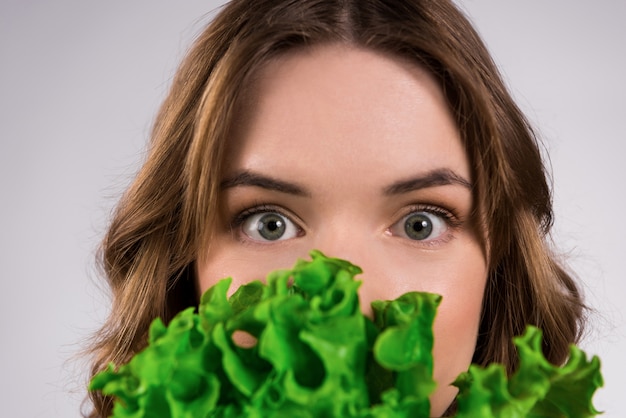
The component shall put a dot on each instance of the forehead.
(341, 105)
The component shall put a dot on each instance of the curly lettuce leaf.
(316, 355)
(314, 352)
(404, 347)
(537, 389)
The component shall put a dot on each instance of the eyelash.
(238, 220)
(447, 215)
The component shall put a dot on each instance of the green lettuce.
(316, 355)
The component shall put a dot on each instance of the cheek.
(228, 259)
(456, 325)
(459, 312)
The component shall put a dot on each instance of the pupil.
(418, 226)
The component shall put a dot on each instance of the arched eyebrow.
(438, 177)
(250, 178)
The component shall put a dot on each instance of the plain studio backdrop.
(80, 83)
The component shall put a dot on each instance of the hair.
(164, 219)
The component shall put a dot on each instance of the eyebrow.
(438, 177)
(249, 178)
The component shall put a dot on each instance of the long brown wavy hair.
(164, 220)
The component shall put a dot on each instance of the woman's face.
(356, 154)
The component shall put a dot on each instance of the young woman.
(378, 131)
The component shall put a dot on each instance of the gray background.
(80, 82)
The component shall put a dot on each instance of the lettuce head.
(316, 355)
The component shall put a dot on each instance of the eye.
(421, 226)
(269, 226)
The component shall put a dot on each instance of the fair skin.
(356, 154)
